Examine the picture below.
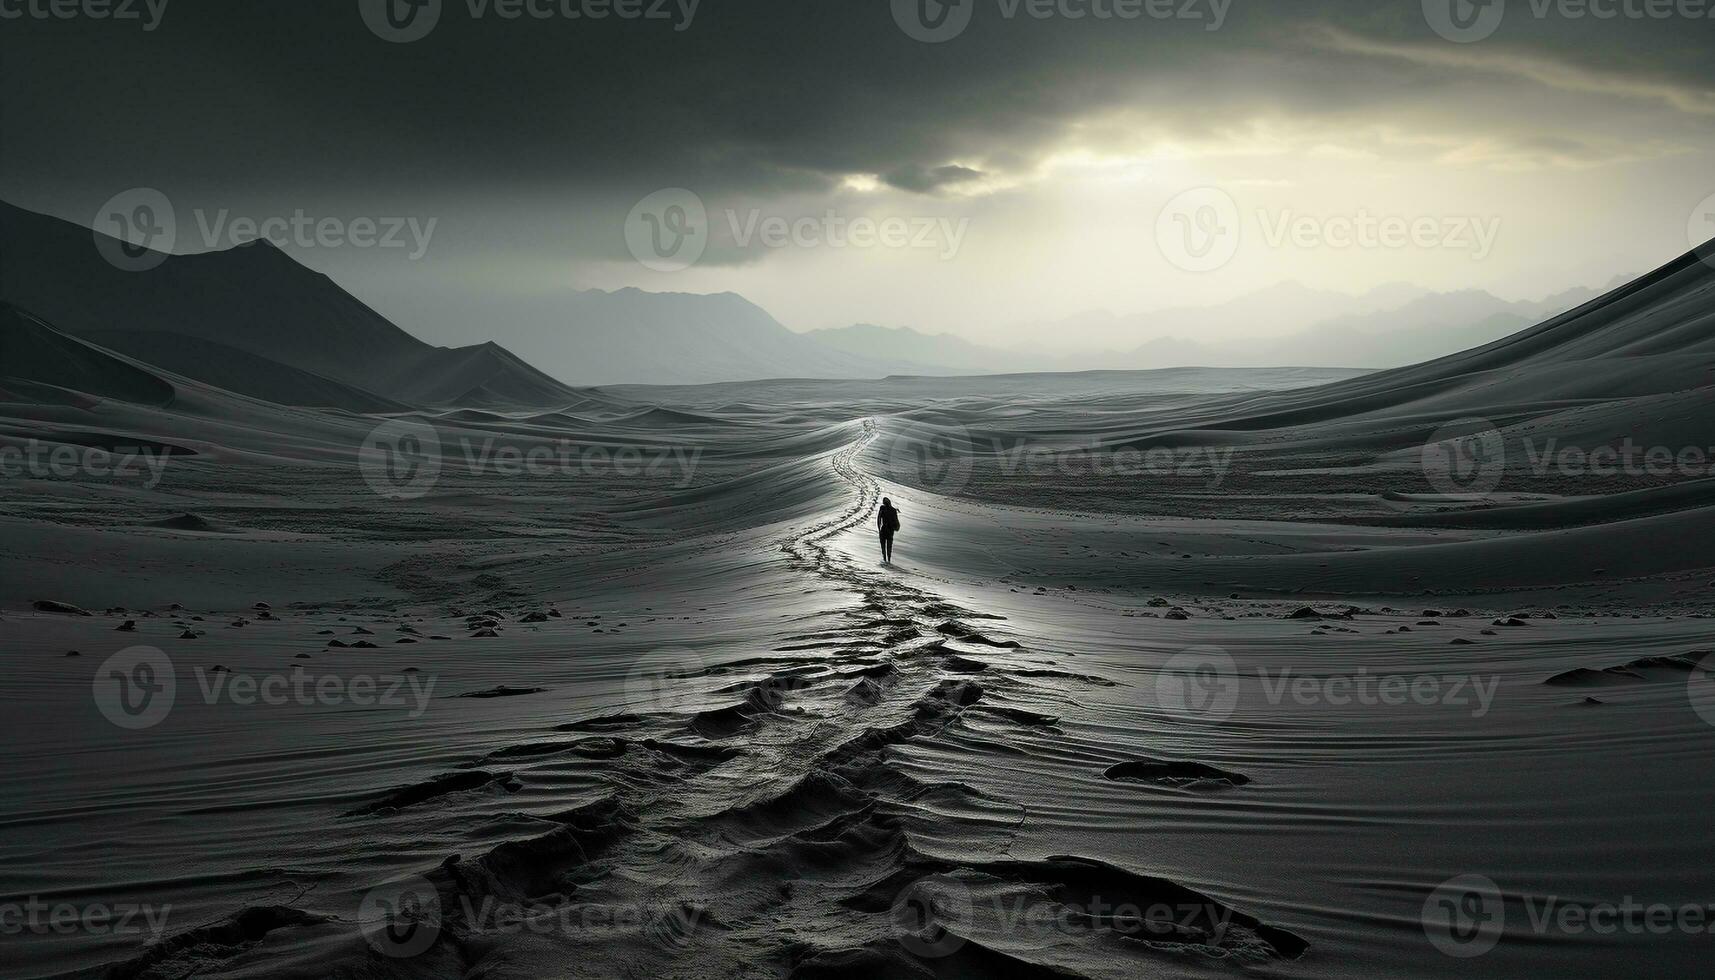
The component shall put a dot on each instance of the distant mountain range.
(628, 336)
(253, 321)
(592, 337)
(1388, 327)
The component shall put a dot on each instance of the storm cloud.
(530, 127)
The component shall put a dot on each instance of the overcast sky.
(976, 168)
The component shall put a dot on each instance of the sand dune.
(42, 362)
(656, 720)
(240, 372)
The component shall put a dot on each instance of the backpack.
(890, 519)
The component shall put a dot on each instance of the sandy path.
(777, 824)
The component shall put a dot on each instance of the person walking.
(887, 522)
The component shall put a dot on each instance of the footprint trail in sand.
(773, 816)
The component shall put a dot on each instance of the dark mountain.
(224, 317)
